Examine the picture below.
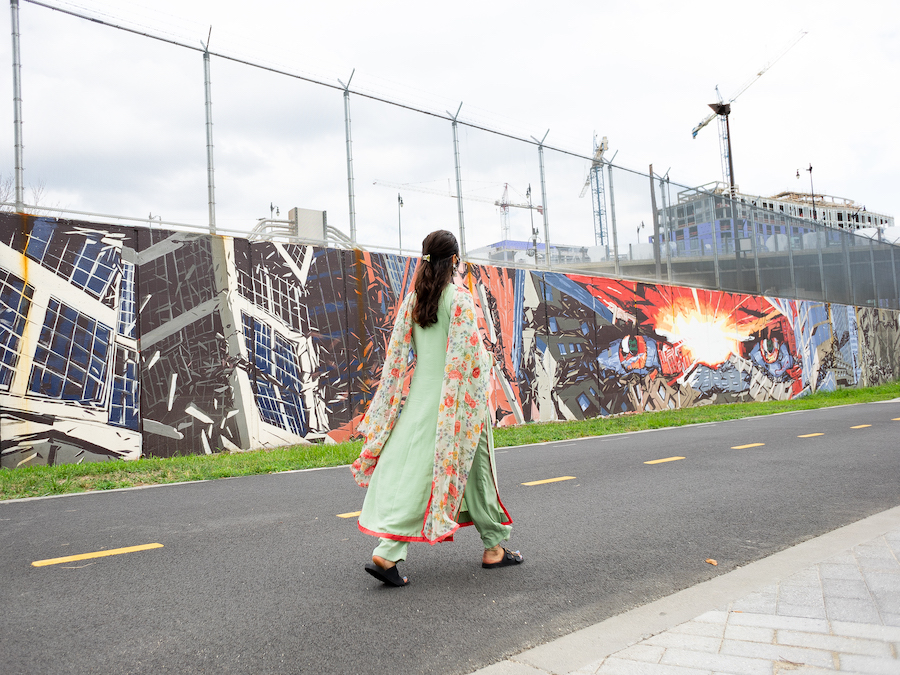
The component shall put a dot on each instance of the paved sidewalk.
(831, 604)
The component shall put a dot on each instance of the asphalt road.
(260, 575)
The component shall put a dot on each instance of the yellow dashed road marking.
(95, 554)
(749, 445)
(861, 426)
(549, 480)
(351, 514)
(660, 461)
(896, 419)
(811, 435)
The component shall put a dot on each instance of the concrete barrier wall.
(121, 342)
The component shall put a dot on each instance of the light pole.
(812, 191)
(273, 211)
(817, 233)
(399, 224)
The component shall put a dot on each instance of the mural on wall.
(117, 343)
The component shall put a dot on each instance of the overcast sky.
(114, 122)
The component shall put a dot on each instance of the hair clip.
(427, 258)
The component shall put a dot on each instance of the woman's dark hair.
(434, 273)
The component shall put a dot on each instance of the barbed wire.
(389, 92)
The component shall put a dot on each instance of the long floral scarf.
(461, 415)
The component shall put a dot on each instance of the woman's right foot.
(498, 556)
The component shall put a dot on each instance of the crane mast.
(722, 110)
(597, 184)
(504, 213)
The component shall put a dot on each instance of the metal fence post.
(894, 272)
(714, 231)
(459, 198)
(821, 261)
(351, 196)
(663, 184)
(612, 215)
(845, 244)
(544, 198)
(210, 170)
(790, 236)
(754, 227)
(736, 243)
(874, 279)
(656, 258)
(17, 105)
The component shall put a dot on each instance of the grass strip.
(617, 424)
(38, 481)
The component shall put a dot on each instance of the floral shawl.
(461, 415)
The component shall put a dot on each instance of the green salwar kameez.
(400, 487)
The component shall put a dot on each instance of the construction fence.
(122, 342)
(381, 173)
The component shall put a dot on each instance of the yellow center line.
(95, 554)
(660, 461)
(861, 426)
(549, 480)
(351, 514)
(896, 419)
(811, 435)
(749, 445)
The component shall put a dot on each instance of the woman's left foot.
(385, 571)
(389, 576)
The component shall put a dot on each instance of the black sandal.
(509, 558)
(389, 576)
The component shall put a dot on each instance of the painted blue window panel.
(278, 385)
(127, 317)
(71, 356)
(39, 239)
(95, 267)
(562, 349)
(553, 325)
(583, 402)
(15, 301)
(396, 265)
(124, 410)
(287, 373)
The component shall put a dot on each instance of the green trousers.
(480, 505)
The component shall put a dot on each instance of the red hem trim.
(386, 535)
(403, 537)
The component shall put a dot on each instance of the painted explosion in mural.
(117, 343)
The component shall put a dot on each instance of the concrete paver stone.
(830, 604)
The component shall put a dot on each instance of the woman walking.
(431, 469)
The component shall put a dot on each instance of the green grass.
(50, 480)
(602, 426)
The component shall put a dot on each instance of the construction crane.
(596, 181)
(503, 202)
(722, 110)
